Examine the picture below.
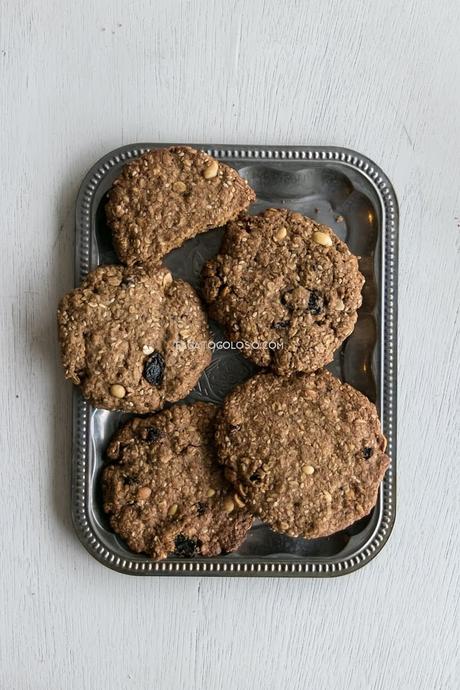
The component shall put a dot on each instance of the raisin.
(200, 508)
(234, 428)
(281, 324)
(128, 480)
(186, 547)
(367, 452)
(315, 303)
(154, 369)
(152, 434)
(256, 477)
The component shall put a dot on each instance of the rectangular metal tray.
(351, 194)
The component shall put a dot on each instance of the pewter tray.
(352, 195)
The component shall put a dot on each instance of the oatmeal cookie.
(164, 490)
(282, 278)
(120, 334)
(169, 195)
(305, 452)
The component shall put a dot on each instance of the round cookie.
(169, 195)
(282, 279)
(305, 452)
(124, 336)
(166, 493)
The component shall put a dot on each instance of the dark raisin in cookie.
(166, 493)
(305, 452)
(125, 336)
(282, 278)
(169, 195)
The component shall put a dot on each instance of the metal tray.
(351, 194)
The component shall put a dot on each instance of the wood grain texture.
(80, 78)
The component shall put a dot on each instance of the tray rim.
(249, 566)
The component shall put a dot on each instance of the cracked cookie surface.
(306, 452)
(169, 195)
(164, 490)
(282, 278)
(118, 334)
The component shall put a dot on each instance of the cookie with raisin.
(133, 339)
(286, 287)
(305, 452)
(164, 490)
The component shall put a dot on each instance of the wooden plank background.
(81, 78)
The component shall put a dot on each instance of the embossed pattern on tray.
(352, 195)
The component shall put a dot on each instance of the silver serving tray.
(351, 194)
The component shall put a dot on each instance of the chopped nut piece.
(144, 493)
(228, 504)
(117, 390)
(322, 238)
(179, 186)
(280, 234)
(211, 170)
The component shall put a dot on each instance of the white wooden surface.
(80, 78)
